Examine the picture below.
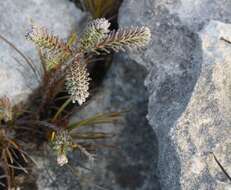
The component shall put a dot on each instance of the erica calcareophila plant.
(69, 60)
(66, 62)
(65, 65)
(69, 138)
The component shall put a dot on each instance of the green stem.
(65, 104)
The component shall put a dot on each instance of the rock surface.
(60, 16)
(204, 127)
(188, 85)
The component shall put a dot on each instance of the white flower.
(100, 24)
(77, 82)
(62, 160)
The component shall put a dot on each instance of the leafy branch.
(96, 38)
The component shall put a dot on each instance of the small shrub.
(65, 69)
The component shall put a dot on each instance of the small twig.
(225, 40)
(2, 184)
(222, 168)
(7, 172)
(28, 156)
(91, 157)
(18, 168)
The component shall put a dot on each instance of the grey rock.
(177, 60)
(17, 79)
(204, 127)
(196, 13)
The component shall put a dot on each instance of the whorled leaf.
(95, 31)
(6, 109)
(54, 49)
(122, 39)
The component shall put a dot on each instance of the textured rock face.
(60, 16)
(195, 13)
(188, 84)
(204, 127)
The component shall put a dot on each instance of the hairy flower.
(96, 38)
(95, 31)
(40, 36)
(124, 38)
(77, 81)
(6, 112)
(54, 49)
(61, 145)
(62, 159)
(100, 24)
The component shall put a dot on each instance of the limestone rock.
(186, 63)
(204, 127)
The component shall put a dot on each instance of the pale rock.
(188, 82)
